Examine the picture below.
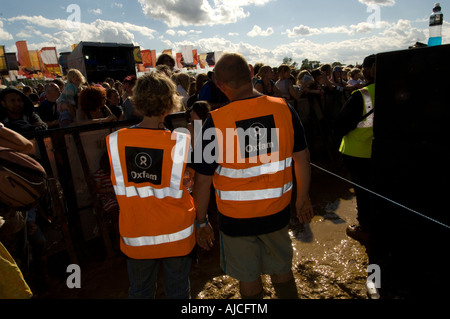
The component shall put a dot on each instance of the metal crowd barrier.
(70, 157)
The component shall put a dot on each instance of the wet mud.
(327, 264)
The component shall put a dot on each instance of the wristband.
(202, 225)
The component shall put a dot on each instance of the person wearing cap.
(17, 112)
(355, 124)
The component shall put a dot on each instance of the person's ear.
(220, 85)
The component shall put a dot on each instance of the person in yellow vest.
(259, 143)
(156, 219)
(355, 124)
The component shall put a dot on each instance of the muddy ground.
(327, 263)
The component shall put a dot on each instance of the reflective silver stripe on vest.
(179, 155)
(174, 191)
(147, 191)
(160, 239)
(269, 168)
(269, 193)
(367, 122)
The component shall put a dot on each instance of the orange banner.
(22, 54)
(146, 58)
(195, 56)
(153, 54)
(180, 60)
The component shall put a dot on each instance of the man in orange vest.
(259, 143)
(156, 219)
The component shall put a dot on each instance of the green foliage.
(309, 65)
(290, 62)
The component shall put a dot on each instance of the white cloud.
(182, 33)
(258, 32)
(197, 12)
(392, 36)
(302, 30)
(360, 28)
(28, 32)
(116, 5)
(383, 3)
(171, 32)
(64, 37)
(42, 22)
(95, 11)
(4, 35)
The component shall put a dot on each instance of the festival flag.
(146, 58)
(202, 60)
(210, 59)
(217, 55)
(34, 58)
(22, 54)
(168, 51)
(137, 55)
(49, 62)
(195, 56)
(11, 60)
(3, 63)
(141, 67)
(153, 55)
(179, 60)
(188, 58)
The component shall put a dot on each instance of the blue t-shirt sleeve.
(205, 93)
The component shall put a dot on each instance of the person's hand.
(111, 118)
(305, 211)
(205, 237)
(40, 127)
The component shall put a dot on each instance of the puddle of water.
(327, 264)
(332, 265)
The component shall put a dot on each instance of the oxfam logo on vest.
(257, 136)
(144, 165)
(257, 131)
(143, 161)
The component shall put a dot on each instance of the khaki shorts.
(246, 258)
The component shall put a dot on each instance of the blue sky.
(262, 30)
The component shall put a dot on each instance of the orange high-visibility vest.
(157, 214)
(255, 140)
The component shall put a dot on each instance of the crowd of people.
(312, 100)
(59, 104)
